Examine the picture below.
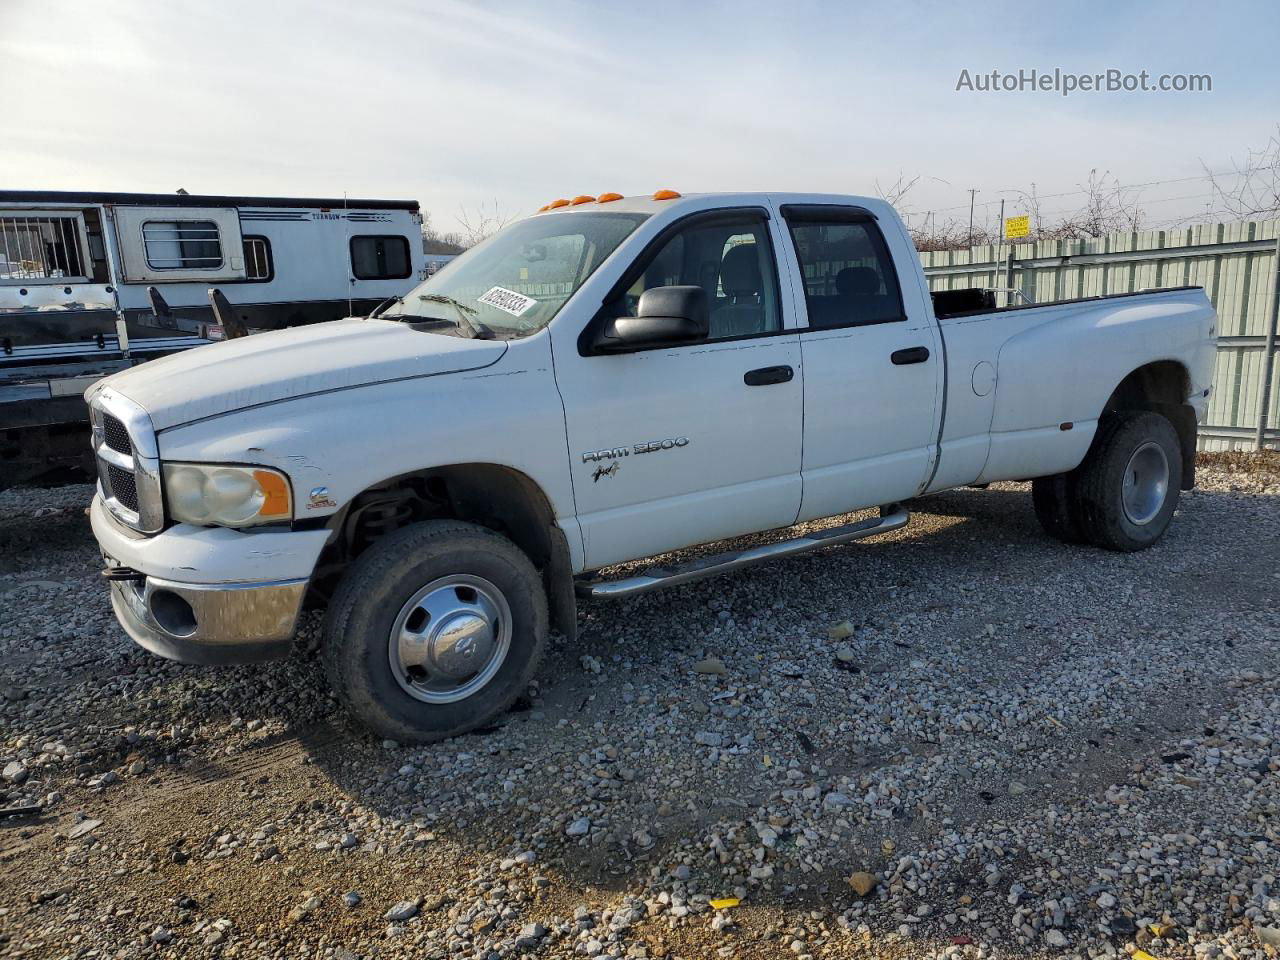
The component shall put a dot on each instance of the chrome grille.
(128, 461)
(115, 435)
(123, 487)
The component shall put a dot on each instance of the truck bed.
(970, 301)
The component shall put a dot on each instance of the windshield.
(515, 282)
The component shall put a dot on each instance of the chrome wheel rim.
(450, 639)
(1146, 483)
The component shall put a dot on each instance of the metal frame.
(1096, 259)
(80, 236)
(1269, 360)
(1222, 432)
(181, 227)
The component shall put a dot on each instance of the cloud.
(457, 103)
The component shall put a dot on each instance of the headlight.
(226, 496)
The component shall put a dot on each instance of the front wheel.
(435, 630)
(1128, 485)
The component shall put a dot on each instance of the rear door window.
(849, 278)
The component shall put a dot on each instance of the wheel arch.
(1161, 386)
(491, 495)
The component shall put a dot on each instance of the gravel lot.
(961, 740)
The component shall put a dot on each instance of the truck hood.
(270, 367)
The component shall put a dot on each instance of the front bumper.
(200, 623)
(208, 594)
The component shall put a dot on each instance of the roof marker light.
(582, 198)
(557, 203)
(545, 206)
(666, 195)
(608, 197)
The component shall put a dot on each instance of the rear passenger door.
(872, 363)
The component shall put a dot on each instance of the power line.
(1077, 192)
(1145, 203)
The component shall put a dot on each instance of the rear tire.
(1056, 506)
(1129, 483)
(434, 631)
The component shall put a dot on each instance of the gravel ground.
(960, 740)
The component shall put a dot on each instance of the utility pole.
(995, 266)
(972, 192)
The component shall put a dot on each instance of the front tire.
(434, 631)
(1129, 483)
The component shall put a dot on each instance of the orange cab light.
(557, 203)
(545, 206)
(608, 197)
(275, 491)
(666, 195)
(582, 198)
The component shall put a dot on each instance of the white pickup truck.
(608, 380)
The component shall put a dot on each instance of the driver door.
(673, 446)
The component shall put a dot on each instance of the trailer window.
(36, 246)
(380, 258)
(182, 244)
(849, 278)
(258, 266)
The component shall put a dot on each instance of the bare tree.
(898, 190)
(1256, 192)
(481, 223)
(433, 241)
(949, 234)
(1107, 208)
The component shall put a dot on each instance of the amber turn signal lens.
(666, 195)
(608, 197)
(276, 494)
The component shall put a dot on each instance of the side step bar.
(892, 517)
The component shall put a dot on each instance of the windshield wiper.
(474, 328)
(384, 305)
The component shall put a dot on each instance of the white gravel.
(1022, 748)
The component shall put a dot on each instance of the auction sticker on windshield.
(516, 304)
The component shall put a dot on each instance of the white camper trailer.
(91, 283)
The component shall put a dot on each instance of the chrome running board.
(892, 517)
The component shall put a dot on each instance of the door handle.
(910, 355)
(767, 375)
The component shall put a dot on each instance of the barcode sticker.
(508, 301)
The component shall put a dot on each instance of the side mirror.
(666, 316)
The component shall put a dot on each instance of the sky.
(482, 106)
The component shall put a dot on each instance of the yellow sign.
(1015, 227)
